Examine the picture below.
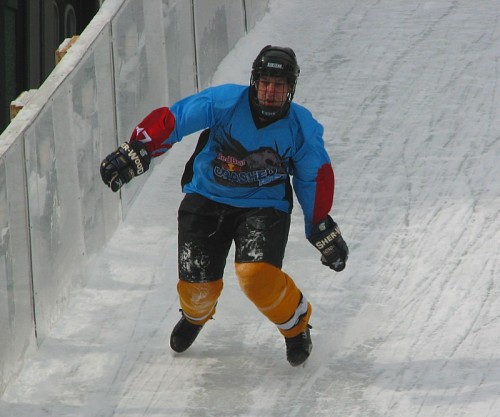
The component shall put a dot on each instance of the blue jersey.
(242, 164)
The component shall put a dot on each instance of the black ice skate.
(298, 347)
(184, 334)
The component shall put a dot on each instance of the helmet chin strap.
(272, 113)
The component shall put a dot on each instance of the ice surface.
(408, 92)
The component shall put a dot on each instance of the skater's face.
(272, 91)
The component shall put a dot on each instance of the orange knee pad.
(275, 294)
(198, 300)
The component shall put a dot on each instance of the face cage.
(269, 112)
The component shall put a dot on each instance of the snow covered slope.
(409, 94)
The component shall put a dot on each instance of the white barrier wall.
(254, 10)
(54, 210)
(17, 335)
(153, 50)
(70, 213)
(219, 24)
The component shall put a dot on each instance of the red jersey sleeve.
(155, 130)
(323, 201)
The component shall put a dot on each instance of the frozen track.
(408, 92)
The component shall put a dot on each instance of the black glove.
(326, 237)
(129, 160)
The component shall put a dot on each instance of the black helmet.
(274, 61)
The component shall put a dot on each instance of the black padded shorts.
(207, 230)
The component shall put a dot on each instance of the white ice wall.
(54, 211)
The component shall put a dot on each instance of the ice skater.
(255, 143)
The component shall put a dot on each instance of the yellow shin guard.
(275, 294)
(198, 300)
